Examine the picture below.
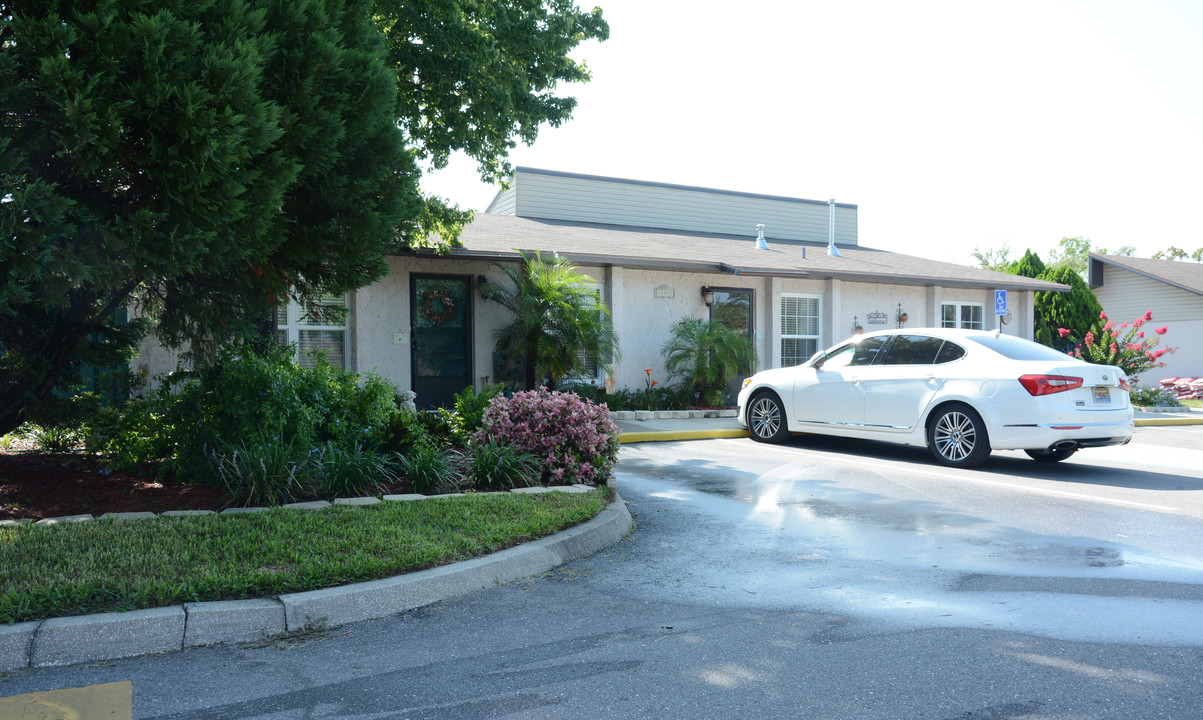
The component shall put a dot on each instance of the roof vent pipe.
(760, 243)
(831, 248)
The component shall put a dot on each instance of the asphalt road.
(820, 579)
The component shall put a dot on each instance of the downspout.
(831, 248)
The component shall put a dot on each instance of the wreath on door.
(438, 305)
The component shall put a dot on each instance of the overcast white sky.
(952, 125)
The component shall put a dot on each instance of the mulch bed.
(39, 485)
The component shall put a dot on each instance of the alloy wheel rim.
(766, 418)
(955, 436)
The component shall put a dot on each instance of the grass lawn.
(110, 565)
(1196, 404)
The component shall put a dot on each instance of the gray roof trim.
(500, 238)
(672, 186)
(1184, 275)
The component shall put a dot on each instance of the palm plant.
(707, 354)
(560, 325)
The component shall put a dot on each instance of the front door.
(441, 351)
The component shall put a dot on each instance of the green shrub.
(261, 470)
(493, 465)
(353, 472)
(136, 434)
(55, 438)
(1153, 397)
(411, 428)
(429, 469)
(469, 409)
(242, 396)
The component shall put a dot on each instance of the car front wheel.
(956, 436)
(766, 418)
(1054, 455)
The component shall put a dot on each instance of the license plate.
(1102, 394)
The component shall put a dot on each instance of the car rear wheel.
(956, 437)
(1054, 455)
(766, 418)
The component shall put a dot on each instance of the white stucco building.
(1127, 287)
(651, 248)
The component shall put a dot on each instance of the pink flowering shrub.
(575, 440)
(1132, 352)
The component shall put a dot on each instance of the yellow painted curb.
(111, 701)
(1168, 421)
(667, 435)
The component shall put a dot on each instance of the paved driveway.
(1107, 546)
(824, 579)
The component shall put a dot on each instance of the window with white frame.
(968, 316)
(799, 328)
(320, 327)
(593, 366)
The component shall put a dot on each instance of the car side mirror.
(817, 359)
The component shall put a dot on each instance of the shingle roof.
(499, 237)
(1181, 274)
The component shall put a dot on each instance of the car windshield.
(1016, 348)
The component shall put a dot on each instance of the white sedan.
(960, 393)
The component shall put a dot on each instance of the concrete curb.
(1156, 422)
(667, 435)
(113, 636)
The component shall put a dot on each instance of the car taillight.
(1123, 384)
(1038, 385)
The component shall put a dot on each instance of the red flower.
(1140, 334)
(1148, 315)
(1162, 330)
(1123, 325)
(1112, 348)
(648, 371)
(1063, 331)
(1102, 316)
(1089, 338)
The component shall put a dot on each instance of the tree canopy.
(1030, 265)
(202, 161)
(1075, 310)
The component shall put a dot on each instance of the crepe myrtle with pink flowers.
(575, 439)
(1133, 352)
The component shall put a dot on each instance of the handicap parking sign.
(1000, 302)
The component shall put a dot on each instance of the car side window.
(949, 351)
(838, 358)
(913, 350)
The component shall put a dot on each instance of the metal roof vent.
(831, 248)
(760, 243)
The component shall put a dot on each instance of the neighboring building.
(652, 250)
(1128, 287)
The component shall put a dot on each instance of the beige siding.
(614, 202)
(1126, 295)
(504, 203)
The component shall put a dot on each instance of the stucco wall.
(644, 304)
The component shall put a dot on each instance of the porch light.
(707, 295)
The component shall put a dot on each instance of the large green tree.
(201, 161)
(558, 325)
(1030, 265)
(1075, 310)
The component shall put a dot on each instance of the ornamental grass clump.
(576, 441)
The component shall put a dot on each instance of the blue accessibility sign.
(1000, 302)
